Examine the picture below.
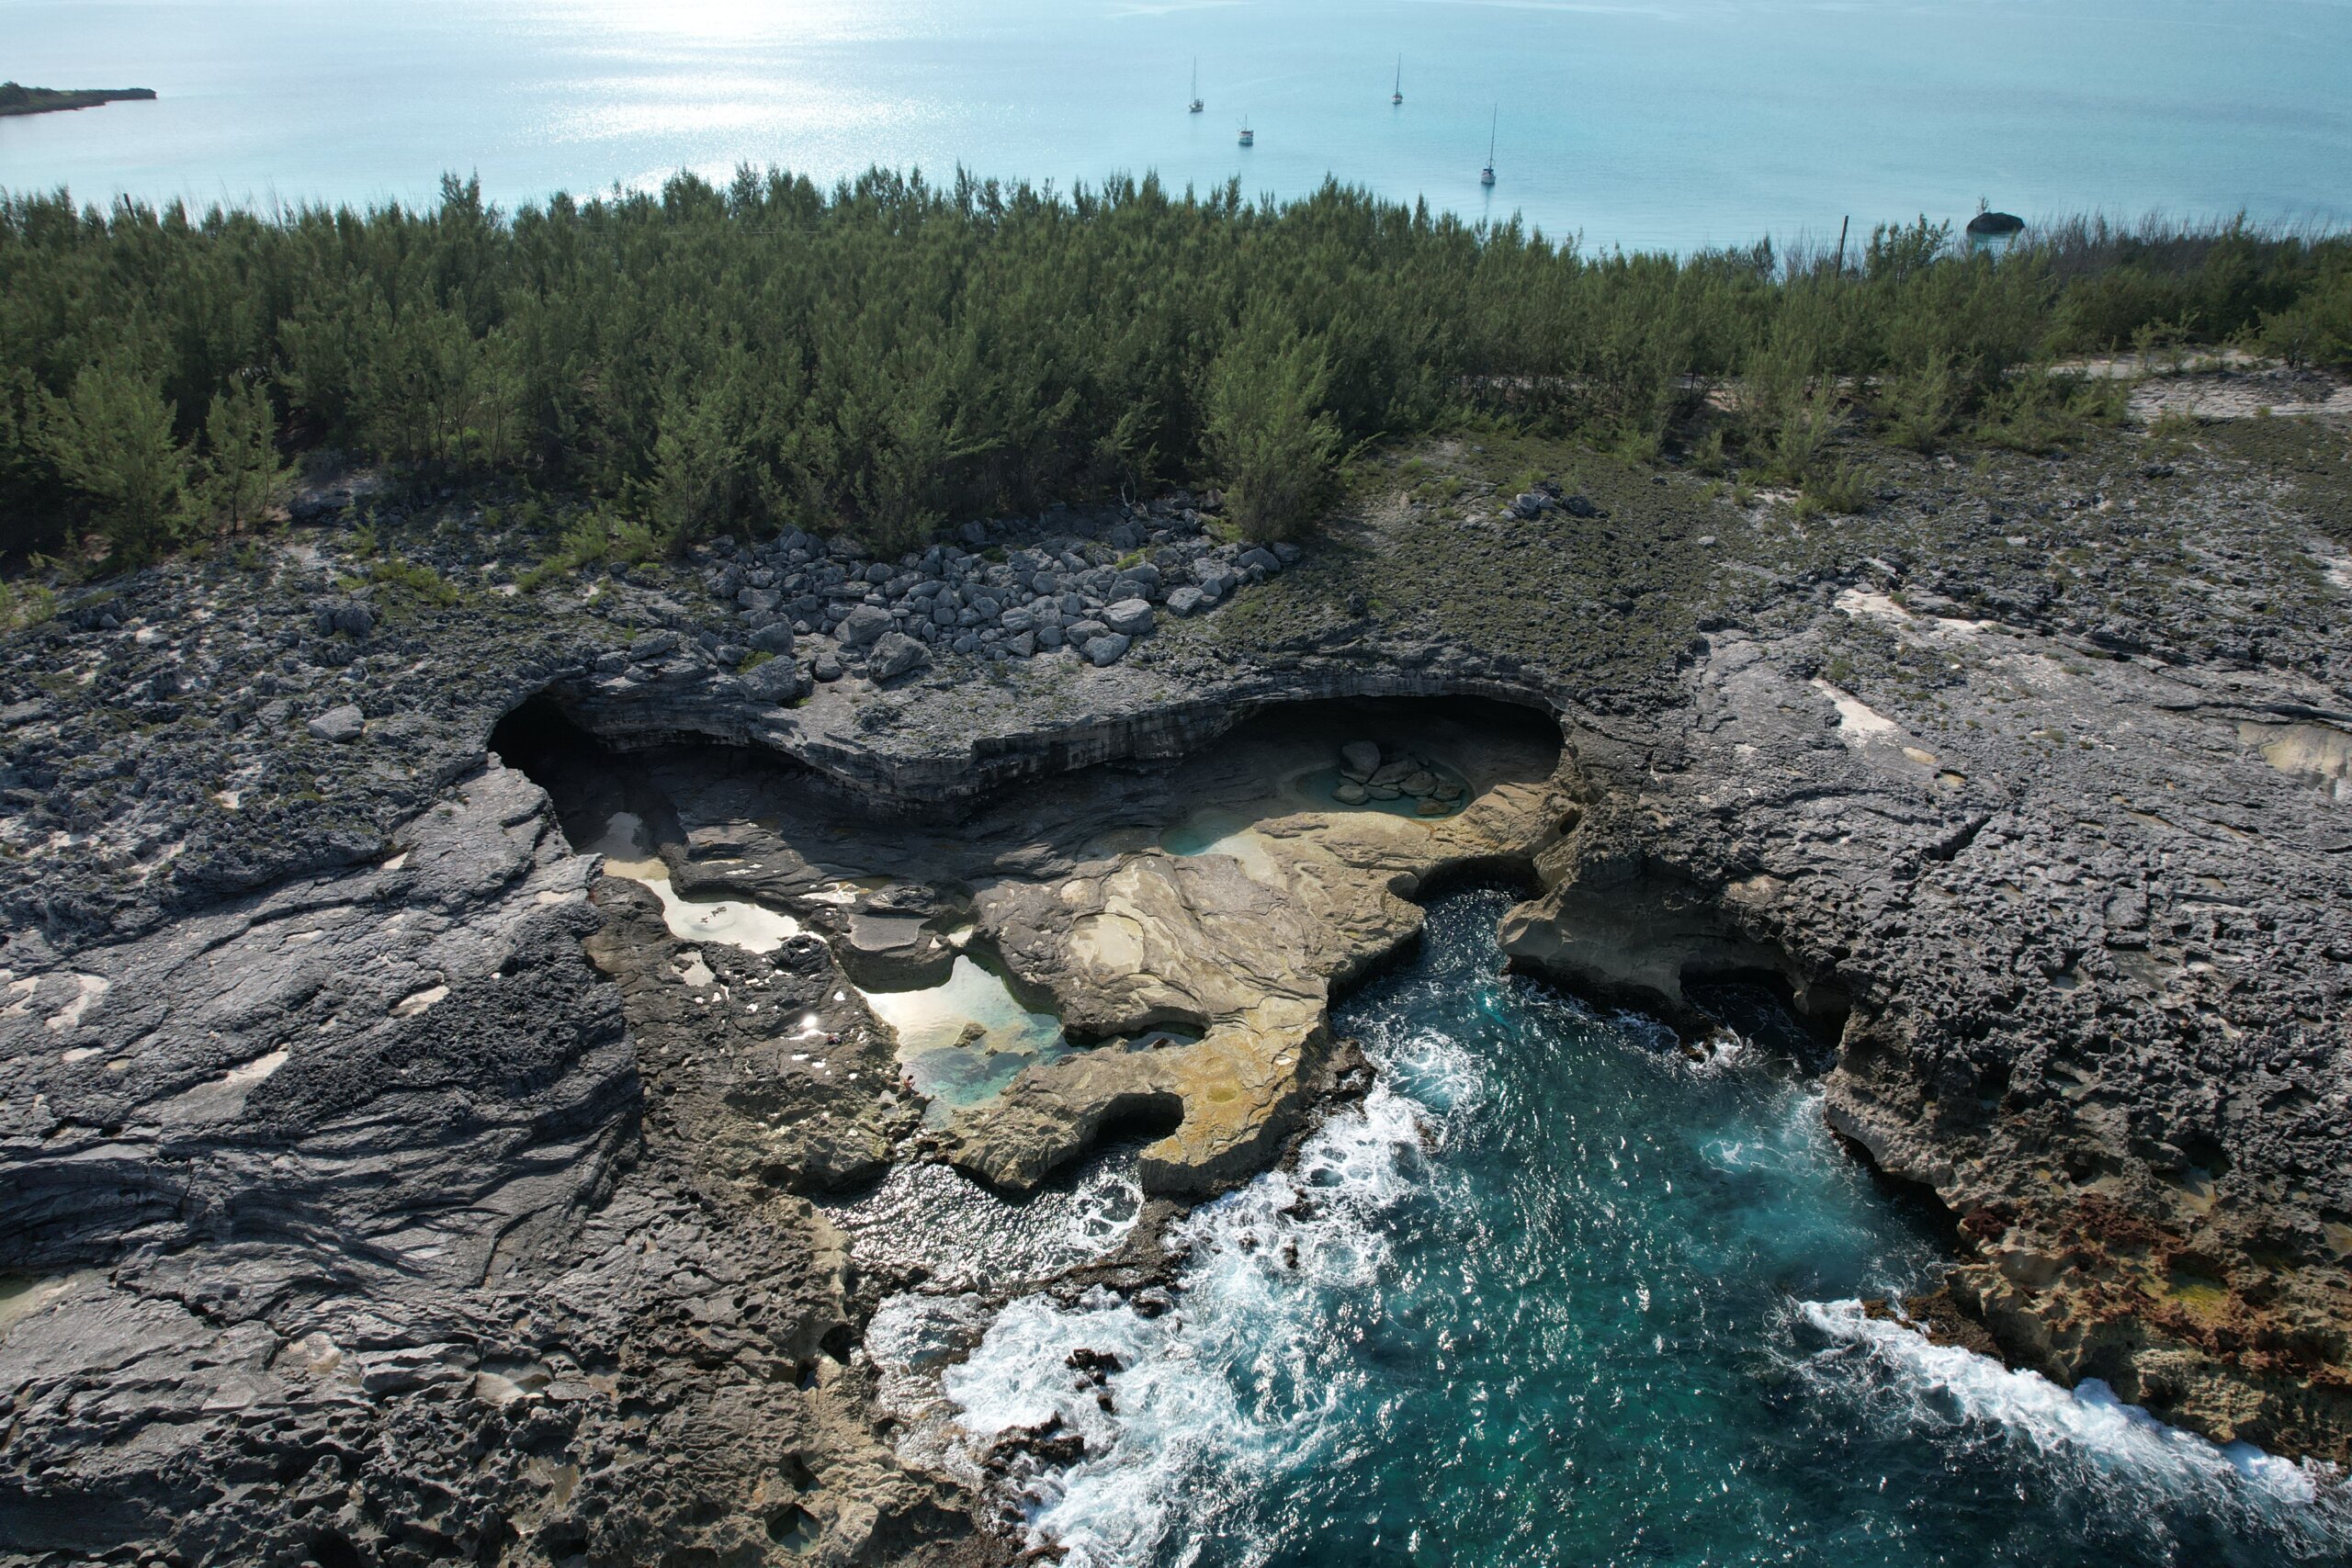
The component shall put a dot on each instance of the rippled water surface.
(1639, 122)
(1556, 1293)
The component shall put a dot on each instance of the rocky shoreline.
(383, 1185)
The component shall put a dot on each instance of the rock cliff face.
(382, 1185)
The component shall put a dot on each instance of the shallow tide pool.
(1556, 1292)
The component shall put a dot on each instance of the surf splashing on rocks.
(1557, 1293)
(1268, 1264)
(2115, 1455)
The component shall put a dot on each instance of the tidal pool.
(1557, 1294)
(967, 1037)
(739, 922)
(1322, 787)
(964, 1040)
(1217, 830)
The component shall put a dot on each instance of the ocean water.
(1637, 122)
(1556, 1294)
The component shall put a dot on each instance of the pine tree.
(111, 439)
(244, 476)
(1267, 436)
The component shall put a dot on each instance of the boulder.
(1107, 648)
(652, 644)
(1129, 618)
(1186, 601)
(774, 680)
(896, 654)
(775, 638)
(827, 668)
(339, 723)
(1260, 561)
(1349, 793)
(863, 626)
(350, 616)
(1360, 757)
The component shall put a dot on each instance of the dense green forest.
(893, 352)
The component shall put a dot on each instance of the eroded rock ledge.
(353, 1214)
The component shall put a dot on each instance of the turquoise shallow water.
(1642, 122)
(1557, 1295)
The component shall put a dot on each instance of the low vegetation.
(891, 352)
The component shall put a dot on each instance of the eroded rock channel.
(1127, 946)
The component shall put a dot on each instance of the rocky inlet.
(405, 1159)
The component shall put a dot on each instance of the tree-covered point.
(893, 352)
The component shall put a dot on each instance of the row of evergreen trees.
(893, 352)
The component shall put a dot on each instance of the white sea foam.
(1223, 1395)
(2085, 1431)
(934, 1219)
(1245, 1388)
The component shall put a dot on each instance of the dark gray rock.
(343, 723)
(1129, 618)
(862, 625)
(352, 617)
(774, 680)
(896, 654)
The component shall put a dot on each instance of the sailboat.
(1248, 136)
(1486, 175)
(1398, 95)
(1197, 104)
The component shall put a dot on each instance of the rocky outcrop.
(369, 1220)
(346, 1247)
(1996, 921)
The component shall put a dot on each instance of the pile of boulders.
(1366, 775)
(1528, 506)
(1032, 592)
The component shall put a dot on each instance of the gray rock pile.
(1366, 774)
(1002, 592)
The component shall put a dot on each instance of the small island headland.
(15, 98)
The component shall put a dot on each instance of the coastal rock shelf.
(1208, 974)
(370, 1159)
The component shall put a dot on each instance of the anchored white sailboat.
(1197, 104)
(1248, 136)
(1398, 95)
(1486, 175)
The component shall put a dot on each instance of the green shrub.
(110, 438)
(2317, 330)
(1276, 453)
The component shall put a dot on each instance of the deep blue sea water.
(1556, 1294)
(1640, 122)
